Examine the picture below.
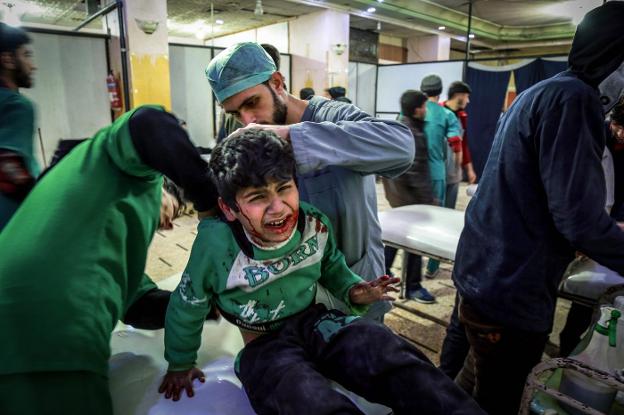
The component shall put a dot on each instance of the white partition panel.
(191, 96)
(361, 90)
(366, 78)
(70, 95)
(393, 80)
(353, 82)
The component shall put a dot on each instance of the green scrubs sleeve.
(189, 304)
(17, 118)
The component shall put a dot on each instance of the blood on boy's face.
(268, 213)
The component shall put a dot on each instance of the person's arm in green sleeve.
(188, 306)
(345, 284)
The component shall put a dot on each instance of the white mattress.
(423, 229)
(137, 366)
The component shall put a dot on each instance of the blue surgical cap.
(238, 68)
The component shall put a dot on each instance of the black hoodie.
(542, 193)
(598, 46)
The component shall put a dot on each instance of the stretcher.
(426, 230)
(137, 366)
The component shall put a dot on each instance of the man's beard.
(280, 110)
(22, 78)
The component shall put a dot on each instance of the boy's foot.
(421, 295)
(432, 275)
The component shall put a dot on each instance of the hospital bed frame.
(535, 383)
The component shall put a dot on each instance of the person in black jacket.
(541, 198)
(411, 188)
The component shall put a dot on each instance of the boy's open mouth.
(280, 225)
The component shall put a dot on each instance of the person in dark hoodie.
(540, 199)
(410, 188)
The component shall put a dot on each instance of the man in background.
(410, 188)
(18, 167)
(457, 101)
(443, 135)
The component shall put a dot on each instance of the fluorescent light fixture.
(259, 11)
(441, 27)
(371, 10)
(575, 10)
(471, 36)
(219, 21)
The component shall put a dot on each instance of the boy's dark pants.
(288, 372)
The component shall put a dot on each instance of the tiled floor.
(423, 324)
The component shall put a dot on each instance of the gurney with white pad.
(426, 230)
(137, 366)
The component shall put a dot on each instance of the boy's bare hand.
(369, 292)
(175, 382)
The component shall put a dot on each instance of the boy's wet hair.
(177, 192)
(250, 158)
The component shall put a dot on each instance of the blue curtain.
(552, 68)
(537, 71)
(486, 104)
(528, 75)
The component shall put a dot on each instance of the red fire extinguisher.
(114, 92)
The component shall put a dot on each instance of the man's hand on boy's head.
(282, 131)
(372, 291)
(175, 382)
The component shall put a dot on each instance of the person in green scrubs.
(72, 259)
(18, 166)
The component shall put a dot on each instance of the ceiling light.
(259, 11)
(471, 36)
(371, 10)
(380, 1)
(10, 15)
(219, 21)
(441, 27)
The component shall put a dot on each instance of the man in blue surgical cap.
(338, 149)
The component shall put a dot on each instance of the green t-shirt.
(74, 255)
(440, 125)
(257, 291)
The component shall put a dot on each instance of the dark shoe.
(421, 295)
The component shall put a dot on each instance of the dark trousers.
(578, 321)
(288, 372)
(413, 271)
(499, 361)
(455, 346)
